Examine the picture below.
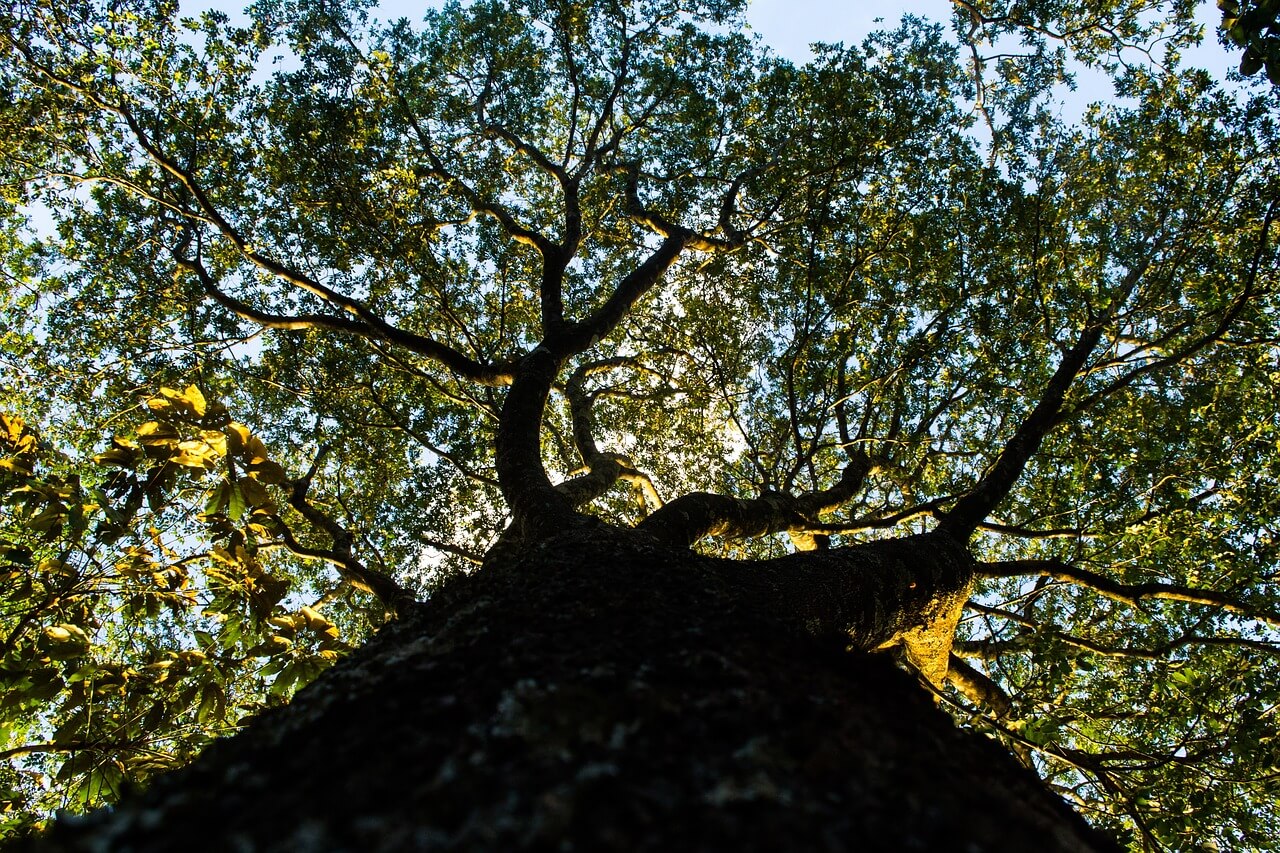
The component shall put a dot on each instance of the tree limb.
(970, 510)
(455, 361)
(583, 334)
(1130, 594)
(978, 688)
(991, 649)
(395, 598)
(603, 469)
(688, 518)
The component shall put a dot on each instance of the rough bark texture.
(601, 693)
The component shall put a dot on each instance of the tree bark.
(603, 691)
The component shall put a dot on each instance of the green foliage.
(329, 247)
(143, 613)
(1254, 26)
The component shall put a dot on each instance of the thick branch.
(1130, 594)
(660, 225)
(909, 591)
(978, 688)
(262, 318)
(537, 507)
(688, 518)
(813, 504)
(971, 509)
(963, 519)
(374, 325)
(582, 335)
(393, 596)
(469, 368)
(1031, 533)
(603, 470)
(691, 516)
(381, 328)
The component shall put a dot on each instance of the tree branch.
(584, 334)
(462, 365)
(379, 327)
(395, 598)
(603, 469)
(978, 688)
(1233, 312)
(538, 509)
(665, 228)
(688, 518)
(992, 649)
(971, 509)
(1130, 594)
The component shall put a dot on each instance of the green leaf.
(1251, 62)
(213, 700)
(219, 499)
(235, 501)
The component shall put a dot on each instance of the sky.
(790, 26)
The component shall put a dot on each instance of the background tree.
(426, 298)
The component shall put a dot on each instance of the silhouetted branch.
(1130, 594)
(970, 510)
(394, 597)
(688, 518)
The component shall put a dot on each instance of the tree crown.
(349, 322)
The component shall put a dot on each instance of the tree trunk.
(600, 691)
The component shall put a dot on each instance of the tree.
(724, 372)
(1256, 28)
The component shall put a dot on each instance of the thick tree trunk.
(602, 692)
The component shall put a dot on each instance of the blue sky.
(789, 26)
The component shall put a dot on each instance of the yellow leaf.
(216, 440)
(67, 640)
(122, 457)
(284, 624)
(17, 466)
(316, 622)
(196, 399)
(154, 433)
(55, 567)
(255, 450)
(190, 460)
(237, 436)
(12, 424)
(270, 472)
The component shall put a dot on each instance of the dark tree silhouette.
(661, 395)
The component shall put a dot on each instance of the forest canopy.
(275, 293)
